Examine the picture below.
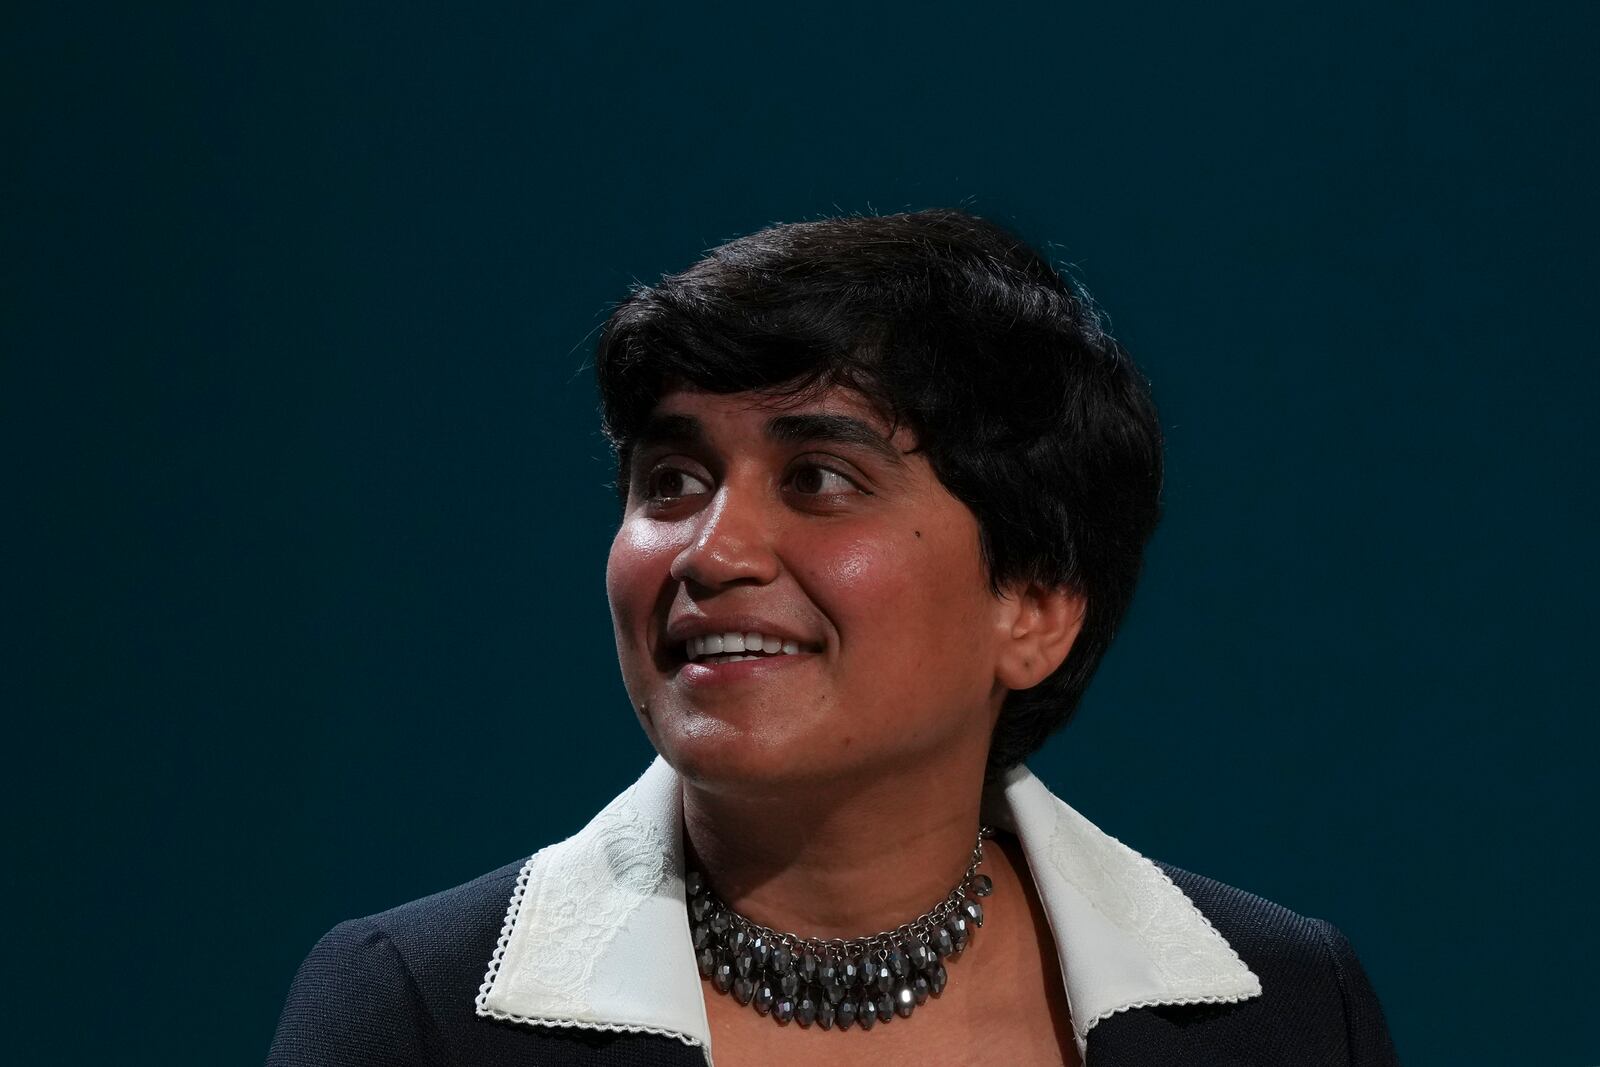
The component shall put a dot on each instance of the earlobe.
(1044, 626)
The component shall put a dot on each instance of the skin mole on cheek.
(918, 533)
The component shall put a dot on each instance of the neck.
(843, 858)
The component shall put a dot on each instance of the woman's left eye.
(812, 480)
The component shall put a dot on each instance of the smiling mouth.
(710, 649)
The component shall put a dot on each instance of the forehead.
(836, 415)
(688, 416)
(761, 405)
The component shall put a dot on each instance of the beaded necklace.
(835, 981)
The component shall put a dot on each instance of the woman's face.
(809, 524)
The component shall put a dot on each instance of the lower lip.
(707, 674)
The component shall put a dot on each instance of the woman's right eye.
(671, 483)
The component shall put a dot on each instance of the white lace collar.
(597, 935)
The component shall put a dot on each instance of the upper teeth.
(717, 644)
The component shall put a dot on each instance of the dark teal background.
(309, 510)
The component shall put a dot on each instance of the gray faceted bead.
(943, 943)
(982, 886)
(959, 929)
(761, 951)
(720, 922)
(866, 1014)
(700, 935)
(828, 980)
(808, 966)
(824, 1014)
(789, 984)
(937, 979)
(847, 1013)
(805, 1009)
(722, 977)
(905, 1001)
(706, 958)
(744, 965)
(847, 972)
(698, 907)
(898, 963)
(743, 990)
(923, 957)
(781, 961)
(765, 995)
(886, 1007)
(973, 911)
(919, 989)
(783, 1010)
(694, 882)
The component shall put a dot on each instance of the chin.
(717, 755)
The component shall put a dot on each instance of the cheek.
(637, 567)
(868, 581)
(925, 598)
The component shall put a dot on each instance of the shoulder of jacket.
(488, 892)
(1257, 928)
(456, 922)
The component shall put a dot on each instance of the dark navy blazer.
(398, 988)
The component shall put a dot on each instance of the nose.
(732, 543)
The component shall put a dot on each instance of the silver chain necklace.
(835, 981)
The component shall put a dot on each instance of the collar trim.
(596, 935)
(488, 1011)
(1126, 935)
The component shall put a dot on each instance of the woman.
(886, 485)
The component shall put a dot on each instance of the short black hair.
(1029, 412)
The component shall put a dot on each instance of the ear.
(1043, 624)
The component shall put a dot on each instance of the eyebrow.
(838, 429)
(669, 430)
(785, 429)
